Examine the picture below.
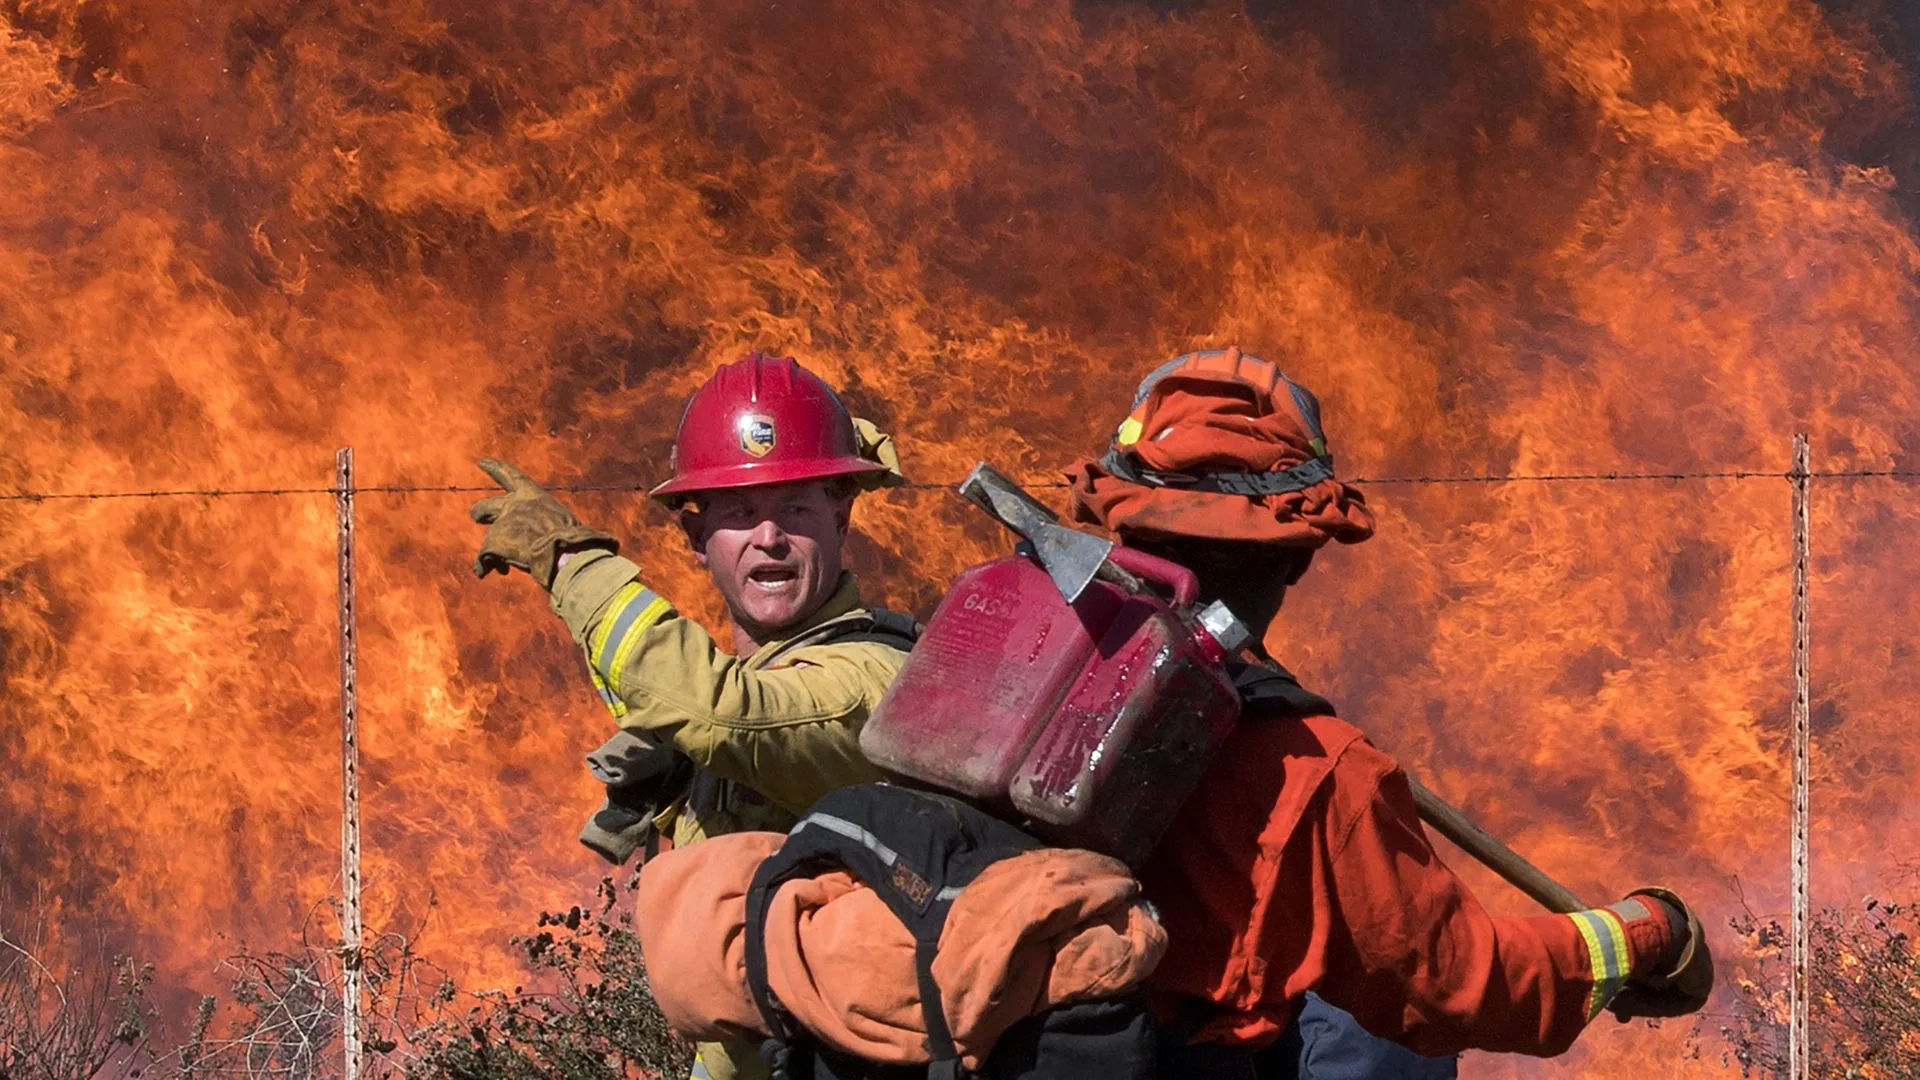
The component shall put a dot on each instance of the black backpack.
(1269, 691)
(918, 850)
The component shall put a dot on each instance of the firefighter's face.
(774, 552)
(1251, 578)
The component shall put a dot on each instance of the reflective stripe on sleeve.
(633, 609)
(614, 705)
(1606, 940)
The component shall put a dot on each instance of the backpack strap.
(917, 850)
(1267, 689)
(872, 624)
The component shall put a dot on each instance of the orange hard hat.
(1221, 445)
(765, 420)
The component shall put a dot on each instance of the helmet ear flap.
(688, 514)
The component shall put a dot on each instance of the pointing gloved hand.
(529, 529)
(1680, 983)
(642, 776)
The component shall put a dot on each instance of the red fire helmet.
(762, 420)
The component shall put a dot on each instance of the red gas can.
(1091, 722)
(996, 660)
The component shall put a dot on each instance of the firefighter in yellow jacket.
(766, 465)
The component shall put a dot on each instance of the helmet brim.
(760, 474)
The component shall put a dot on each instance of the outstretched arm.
(1417, 959)
(789, 732)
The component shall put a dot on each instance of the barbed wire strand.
(469, 489)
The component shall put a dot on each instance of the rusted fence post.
(1799, 1056)
(350, 929)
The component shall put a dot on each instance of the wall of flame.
(1494, 235)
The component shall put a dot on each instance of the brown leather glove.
(529, 529)
(1680, 983)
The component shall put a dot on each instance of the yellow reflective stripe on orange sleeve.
(1606, 941)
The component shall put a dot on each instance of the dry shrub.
(1863, 1015)
(586, 1014)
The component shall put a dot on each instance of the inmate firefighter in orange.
(1300, 863)
(766, 464)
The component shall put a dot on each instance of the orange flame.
(1640, 234)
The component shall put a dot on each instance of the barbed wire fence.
(462, 489)
(1799, 477)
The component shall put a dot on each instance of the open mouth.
(772, 577)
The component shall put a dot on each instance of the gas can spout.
(1218, 622)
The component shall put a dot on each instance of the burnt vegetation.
(1863, 1016)
(586, 1013)
(89, 1020)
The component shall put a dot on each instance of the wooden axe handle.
(1487, 848)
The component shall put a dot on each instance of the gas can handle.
(1159, 571)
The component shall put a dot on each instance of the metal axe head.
(1069, 556)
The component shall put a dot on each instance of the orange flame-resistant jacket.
(782, 723)
(1301, 864)
(1040, 929)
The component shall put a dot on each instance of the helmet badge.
(756, 434)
